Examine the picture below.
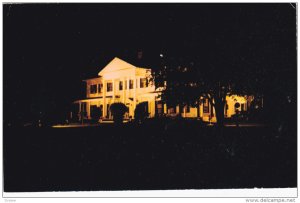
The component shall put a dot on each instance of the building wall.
(231, 101)
(131, 97)
(93, 81)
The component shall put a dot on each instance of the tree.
(118, 110)
(186, 81)
(245, 52)
(224, 62)
(176, 79)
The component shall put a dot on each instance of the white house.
(120, 81)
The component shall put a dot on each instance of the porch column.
(123, 81)
(128, 95)
(152, 111)
(104, 98)
(114, 90)
(134, 93)
(88, 109)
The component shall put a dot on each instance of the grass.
(147, 157)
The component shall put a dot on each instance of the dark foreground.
(146, 158)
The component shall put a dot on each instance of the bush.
(118, 110)
(141, 112)
(95, 114)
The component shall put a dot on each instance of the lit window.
(205, 106)
(243, 107)
(93, 89)
(121, 85)
(143, 83)
(109, 87)
(172, 109)
(130, 84)
(159, 107)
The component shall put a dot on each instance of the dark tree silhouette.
(95, 114)
(118, 110)
(186, 82)
(240, 55)
(141, 112)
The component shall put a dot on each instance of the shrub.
(141, 112)
(95, 114)
(118, 110)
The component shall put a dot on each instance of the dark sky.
(50, 48)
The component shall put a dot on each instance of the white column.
(127, 86)
(104, 98)
(137, 79)
(127, 90)
(127, 95)
(114, 90)
(201, 108)
(134, 93)
(88, 109)
(123, 81)
(152, 113)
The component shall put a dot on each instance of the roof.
(115, 65)
(97, 78)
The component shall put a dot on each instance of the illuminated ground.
(148, 157)
(80, 125)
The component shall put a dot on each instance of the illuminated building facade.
(122, 82)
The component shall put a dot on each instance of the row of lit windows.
(109, 86)
(96, 88)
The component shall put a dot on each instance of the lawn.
(148, 157)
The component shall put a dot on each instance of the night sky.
(50, 48)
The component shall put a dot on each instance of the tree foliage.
(241, 54)
(141, 112)
(118, 110)
(95, 114)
